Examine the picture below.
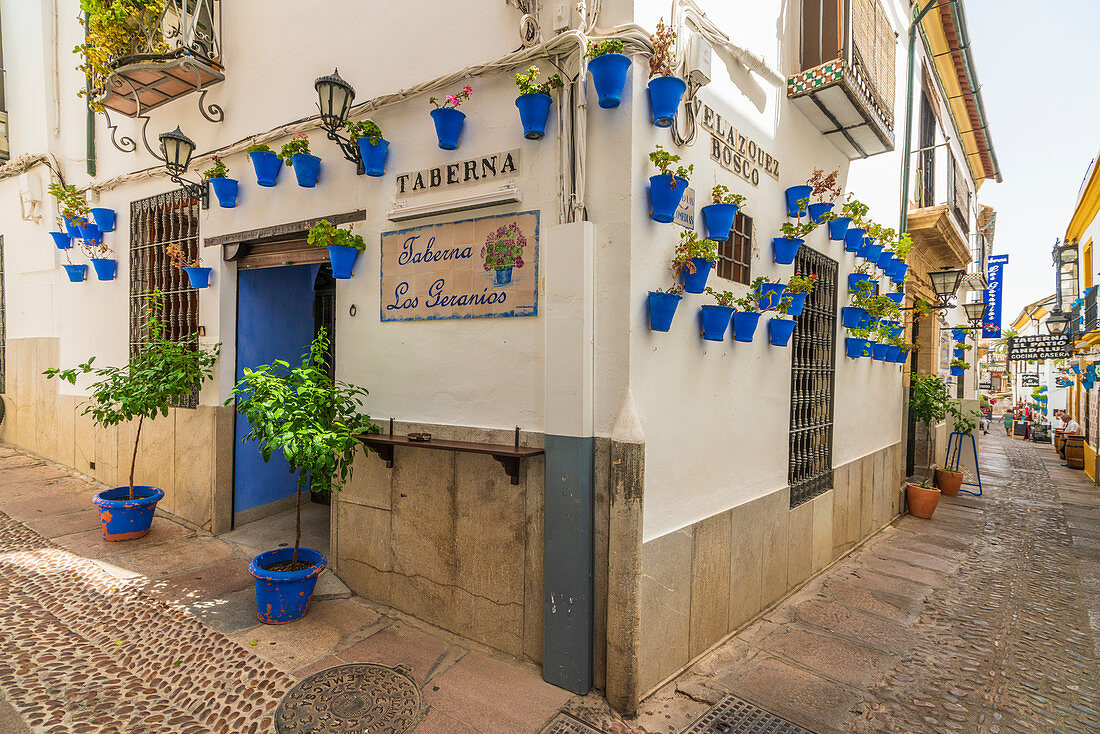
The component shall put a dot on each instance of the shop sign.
(1044, 346)
(733, 150)
(498, 166)
(985, 385)
(474, 268)
(685, 214)
(991, 329)
(1029, 380)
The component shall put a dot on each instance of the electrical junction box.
(698, 58)
(563, 17)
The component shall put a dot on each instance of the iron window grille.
(735, 253)
(156, 223)
(813, 367)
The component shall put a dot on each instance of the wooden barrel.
(1075, 452)
(1059, 441)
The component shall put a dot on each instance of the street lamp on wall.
(975, 313)
(1057, 323)
(177, 149)
(334, 98)
(946, 283)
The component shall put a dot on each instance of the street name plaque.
(1049, 346)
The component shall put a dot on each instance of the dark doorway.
(324, 317)
(911, 429)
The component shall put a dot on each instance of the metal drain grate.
(733, 715)
(362, 697)
(565, 724)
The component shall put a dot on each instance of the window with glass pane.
(735, 254)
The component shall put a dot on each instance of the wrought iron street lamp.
(975, 313)
(177, 149)
(1057, 323)
(946, 283)
(334, 98)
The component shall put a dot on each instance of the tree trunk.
(133, 459)
(297, 522)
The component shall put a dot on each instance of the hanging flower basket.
(744, 325)
(267, 166)
(62, 240)
(665, 194)
(76, 273)
(105, 267)
(719, 220)
(853, 239)
(854, 346)
(665, 93)
(780, 330)
(798, 302)
(855, 278)
(892, 353)
(104, 219)
(696, 282)
(879, 350)
(662, 307)
(374, 152)
(225, 189)
(608, 77)
(794, 195)
(851, 316)
(448, 126)
(958, 371)
(307, 168)
(960, 335)
(896, 297)
(716, 319)
(768, 295)
(838, 228)
(534, 110)
(199, 276)
(819, 209)
(784, 249)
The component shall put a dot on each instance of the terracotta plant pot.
(949, 481)
(922, 501)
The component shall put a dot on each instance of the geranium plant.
(722, 195)
(660, 63)
(324, 233)
(364, 129)
(298, 145)
(690, 246)
(855, 210)
(70, 201)
(179, 258)
(797, 230)
(825, 187)
(528, 85)
(801, 283)
(599, 48)
(162, 373)
(452, 101)
(504, 248)
(664, 161)
(218, 170)
(259, 148)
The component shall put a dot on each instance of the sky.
(1038, 65)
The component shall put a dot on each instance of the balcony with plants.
(845, 84)
(141, 54)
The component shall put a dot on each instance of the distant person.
(1072, 427)
(983, 423)
(1057, 421)
(1008, 423)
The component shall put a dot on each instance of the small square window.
(735, 254)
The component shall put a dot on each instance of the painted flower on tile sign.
(504, 248)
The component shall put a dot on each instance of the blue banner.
(991, 328)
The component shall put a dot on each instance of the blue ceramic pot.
(798, 302)
(959, 335)
(696, 282)
(123, 518)
(896, 297)
(267, 166)
(854, 278)
(899, 272)
(199, 277)
(719, 220)
(90, 232)
(769, 295)
(73, 225)
(872, 252)
(342, 259)
(794, 195)
(448, 126)
(838, 228)
(851, 316)
(854, 346)
(105, 267)
(716, 319)
(864, 321)
(878, 351)
(744, 325)
(853, 239)
(225, 189)
(374, 155)
(885, 261)
(959, 353)
(665, 194)
(903, 355)
(817, 210)
(306, 169)
(534, 109)
(608, 77)
(779, 331)
(958, 371)
(62, 240)
(662, 307)
(892, 353)
(104, 219)
(76, 273)
(665, 93)
(784, 249)
(283, 596)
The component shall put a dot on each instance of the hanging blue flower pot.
(899, 272)
(896, 297)
(123, 518)
(696, 282)
(885, 261)
(903, 355)
(716, 319)
(105, 267)
(959, 335)
(744, 325)
(854, 278)
(199, 277)
(854, 239)
(665, 93)
(779, 331)
(62, 240)
(665, 194)
(958, 371)
(892, 353)
(534, 109)
(959, 353)
(851, 316)
(73, 225)
(854, 346)
(608, 77)
(784, 249)
(878, 351)
(768, 295)
(865, 322)
(872, 252)
(90, 232)
(838, 228)
(76, 273)
(1076, 369)
(267, 166)
(662, 307)
(283, 596)
(794, 195)
(818, 209)
(342, 259)
(104, 219)
(894, 327)
(448, 126)
(374, 155)
(306, 169)
(719, 220)
(225, 189)
(798, 302)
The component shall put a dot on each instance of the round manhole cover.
(362, 698)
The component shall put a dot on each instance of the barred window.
(735, 254)
(156, 223)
